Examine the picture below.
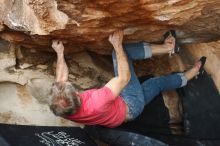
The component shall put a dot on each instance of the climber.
(123, 98)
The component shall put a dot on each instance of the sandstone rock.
(85, 73)
(41, 66)
(174, 105)
(87, 24)
(1, 27)
(40, 88)
(212, 52)
(7, 55)
(25, 65)
(17, 106)
(21, 76)
(36, 16)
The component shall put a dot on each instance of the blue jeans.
(137, 95)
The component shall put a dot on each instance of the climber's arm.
(61, 68)
(118, 83)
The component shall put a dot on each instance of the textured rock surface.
(19, 107)
(86, 24)
(212, 52)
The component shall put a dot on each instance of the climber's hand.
(116, 39)
(58, 46)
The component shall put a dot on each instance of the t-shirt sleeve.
(102, 96)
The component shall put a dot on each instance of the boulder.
(86, 25)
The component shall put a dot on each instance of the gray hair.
(63, 99)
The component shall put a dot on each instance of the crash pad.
(18, 135)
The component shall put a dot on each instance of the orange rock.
(87, 24)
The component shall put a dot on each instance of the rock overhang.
(86, 25)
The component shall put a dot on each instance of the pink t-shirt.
(100, 107)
